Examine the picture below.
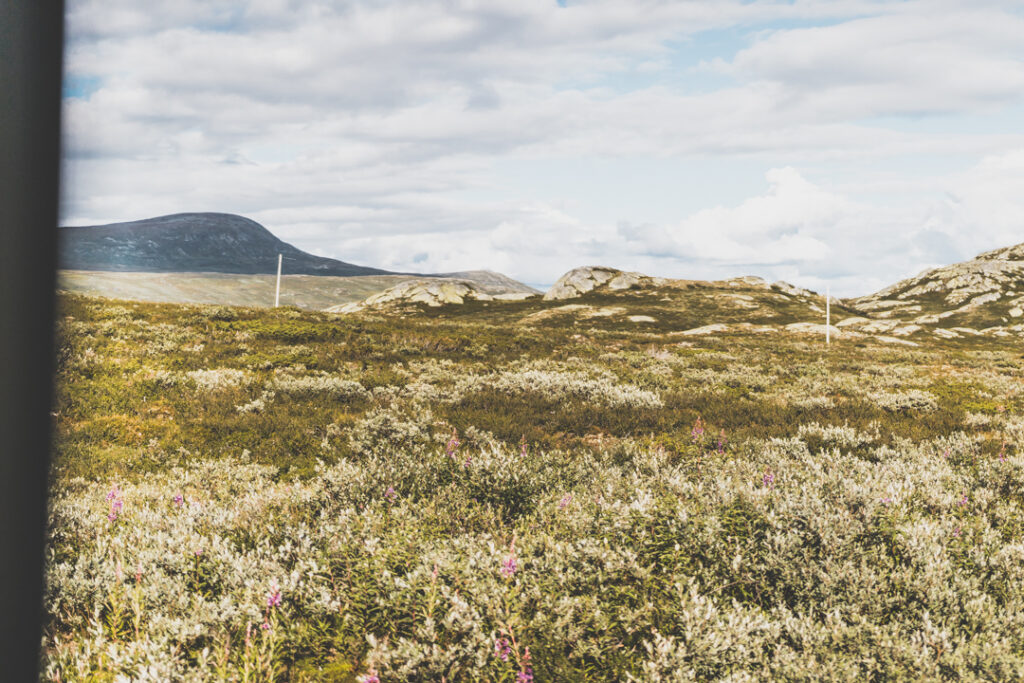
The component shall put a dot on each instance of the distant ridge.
(192, 242)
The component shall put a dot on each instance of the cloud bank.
(854, 142)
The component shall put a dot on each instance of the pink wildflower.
(452, 445)
(265, 625)
(116, 503)
(390, 494)
(721, 442)
(697, 433)
(179, 500)
(274, 599)
(502, 649)
(956, 532)
(525, 674)
(369, 677)
(963, 500)
(768, 479)
(564, 503)
(509, 566)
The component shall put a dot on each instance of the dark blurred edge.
(31, 48)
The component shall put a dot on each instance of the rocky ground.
(983, 296)
(980, 297)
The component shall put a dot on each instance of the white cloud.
(370, 130)
(927, 57)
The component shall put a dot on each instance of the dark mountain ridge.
(192, 242)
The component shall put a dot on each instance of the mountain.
(984, 295)
(192, 242)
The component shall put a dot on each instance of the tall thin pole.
(828, 315)
(277, 293)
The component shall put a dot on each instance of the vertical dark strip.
(31, 48)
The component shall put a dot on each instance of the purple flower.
(768, 479)
(963, 500)
(956, 532)
(274, 599)
(721, 442)
(370, 677)
(566, 499)
(452, 445)
(502, 649)
(509, 566)
(697, 433)
(525, 674)
(179, 500)
(265, 625)
(390, 494)
(116, 504)
(886, 500)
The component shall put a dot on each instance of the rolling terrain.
(629, 479)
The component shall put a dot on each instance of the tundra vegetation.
(496, 493)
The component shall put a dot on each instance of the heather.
(254, 495)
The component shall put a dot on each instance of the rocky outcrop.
(792, 290)
(432, 292)
(985, 293)
(995, 276)
(579, 281)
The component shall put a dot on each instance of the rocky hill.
(982, 296)
(602, 299)
(436, 292)
(579, 281)
(192, 242)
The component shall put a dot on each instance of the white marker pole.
(828, 315)
(277, 294)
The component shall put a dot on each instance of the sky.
(828, 143)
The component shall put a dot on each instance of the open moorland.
(532, 490)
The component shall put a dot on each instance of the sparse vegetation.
(243, 494)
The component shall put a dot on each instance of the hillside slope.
(192, 242)
(983, 295)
